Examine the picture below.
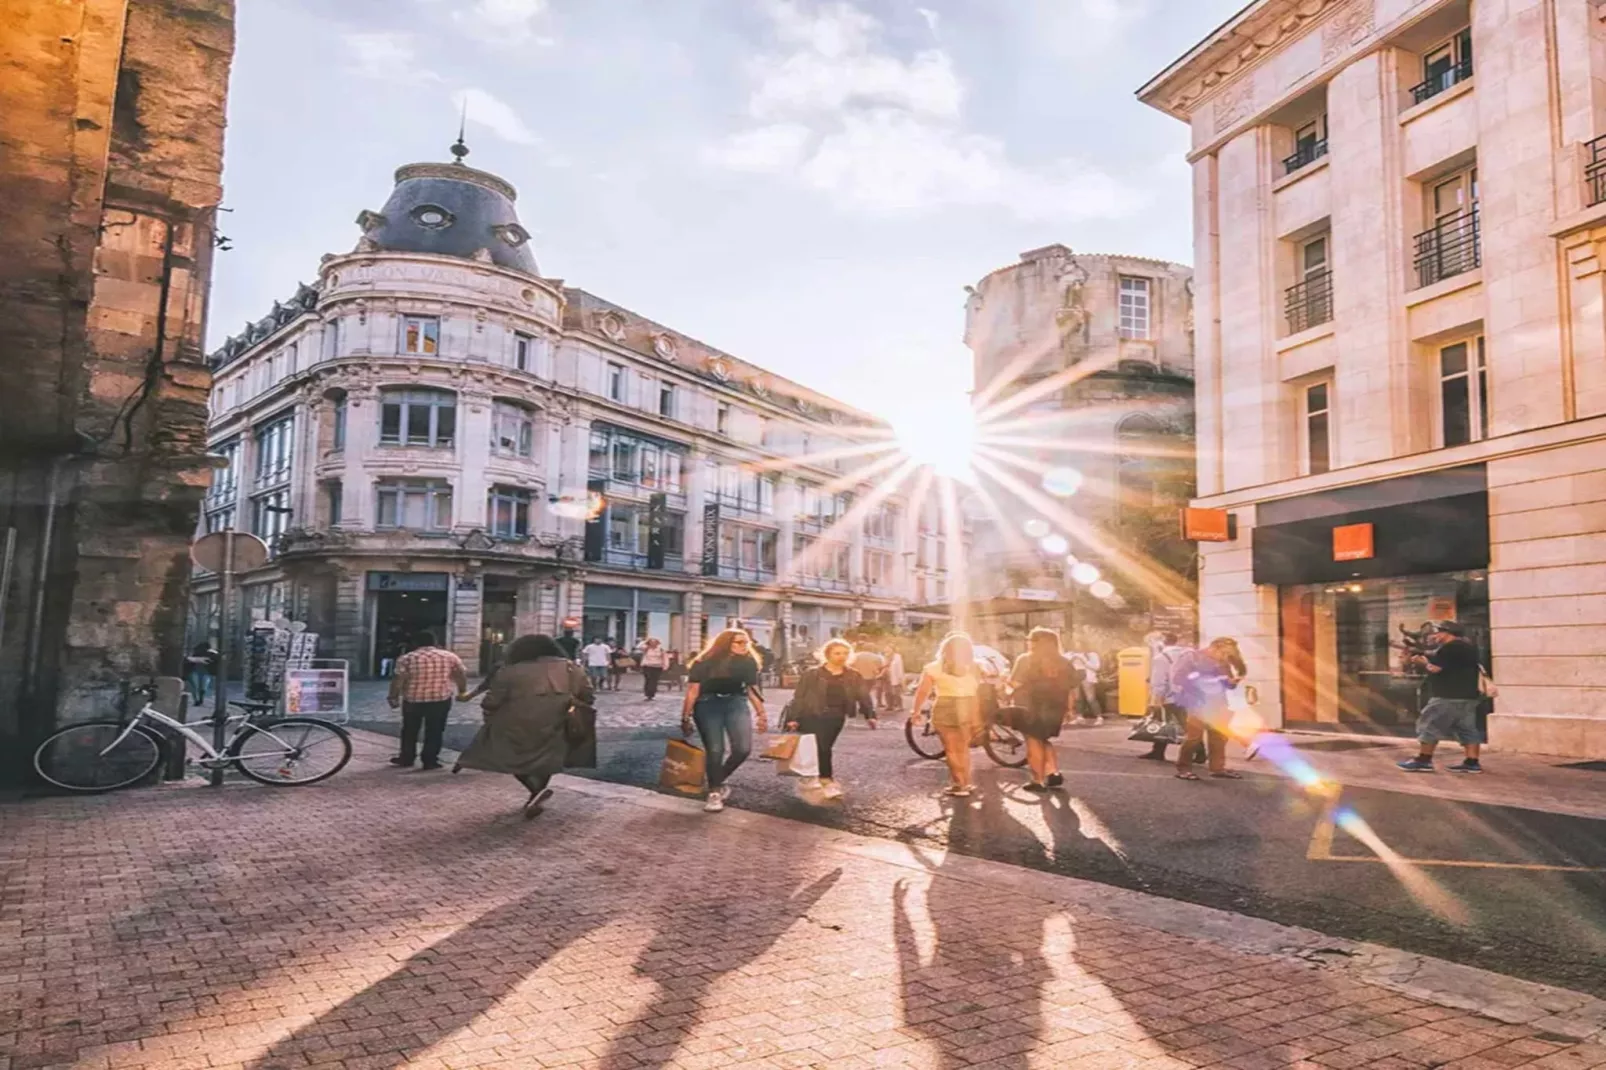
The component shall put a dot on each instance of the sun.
(941, 436)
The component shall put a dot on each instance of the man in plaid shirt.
(424, 684)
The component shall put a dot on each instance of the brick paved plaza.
(390, 919)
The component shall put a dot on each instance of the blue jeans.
(598, 674)
(718, 718)
(200, 683)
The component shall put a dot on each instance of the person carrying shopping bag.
(721, 686)
(825, 698)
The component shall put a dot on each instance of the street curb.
(1560, 1011)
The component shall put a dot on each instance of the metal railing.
(1310, 302)
(1306, 154)
(1435, 84)
(1595, 170)
(1450, 248)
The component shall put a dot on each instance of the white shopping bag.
(805, 761)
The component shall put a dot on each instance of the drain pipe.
(47, 541)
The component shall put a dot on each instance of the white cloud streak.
(387, 56)
(494, 114)
(506, 23)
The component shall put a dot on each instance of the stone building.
(1084, 387)
(1399, 208)
(111, 145)
(435, 434)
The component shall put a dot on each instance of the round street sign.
(249, 551)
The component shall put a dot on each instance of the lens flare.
(1062, 482)
(1035, 529)
(1101, 589)
(1054, 544)
(1085, 574)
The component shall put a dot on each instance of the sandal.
(956, 792)
(1227, 774)
(1187, 776)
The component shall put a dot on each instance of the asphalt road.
(1519, 897)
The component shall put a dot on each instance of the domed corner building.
(1084, 381)
(434, 435)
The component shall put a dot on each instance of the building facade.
(435, 435)
(1084, 384)
(1402, 350)
(111, 152)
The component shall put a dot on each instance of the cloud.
(838, 114)
(511, 23)
(495, 115)
(388, 56)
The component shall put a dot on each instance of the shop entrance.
(400, 615)
(498, 620)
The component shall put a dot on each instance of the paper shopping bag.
(805, 759)
(782, 749)
(683, 768)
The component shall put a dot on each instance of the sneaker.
(427, 766)
(1036, 789)
(1055, 780)
(1467, 766)
(1416, 765)
(831, 789)
(715, 803)
(533, 805)
(809, 783)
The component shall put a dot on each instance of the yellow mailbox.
(1132, 681)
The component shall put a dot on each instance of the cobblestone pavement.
(388, 919)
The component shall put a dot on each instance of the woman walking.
(1200, 682)
(955, 679)
(1045, 685)
(825, 698)
(653, 662)
(528, 705)
(721, 686)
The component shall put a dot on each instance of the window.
(598, 454)
(722, 420)
(512, 430)
(334, 497)
(616, 382)
(421, 505)
(1309, 302)
(629, 533)
(273, 450)
(417, 417)
(636, 460)
(270, 515)
(219, 519)
(878, 568)
(1318, 443)
(666, 401)
(226, 479)
(746, 552)
(1134, 305)
(421, 334)
(881, 524)
(331, 339)
(1444, 66)
(237, 392)
(746, 492)
(507, 511)
(1453, 244)
(338, 440)
(1463, 393)
(822, 562)
(820, 509)
(522, 344)
(292, 355)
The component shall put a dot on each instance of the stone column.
(349, 640)
(473, 454)
(362, 437)
(788, 501)
(694, 623)
(696, 478)
(467, 611)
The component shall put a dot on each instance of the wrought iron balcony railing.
(1310, 302)
(1595, 170)
(1437, 83)
(1450, 248)
(1306, 154)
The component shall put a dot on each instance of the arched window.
(415, 417)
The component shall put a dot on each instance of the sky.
(806, 184)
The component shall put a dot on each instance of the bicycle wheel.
(90, 757)
(291, 752)
(923, 739)
(1006, 746)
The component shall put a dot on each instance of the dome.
(450, 209)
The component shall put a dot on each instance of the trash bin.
(1132, 681)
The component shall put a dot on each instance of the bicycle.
(98, 756)
(1006, 746)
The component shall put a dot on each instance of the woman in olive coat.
(528, 706)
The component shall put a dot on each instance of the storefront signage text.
(1034, 594)
(407, 581)
(1208, 525)
(1352, 542)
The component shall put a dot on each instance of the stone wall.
(111, 141)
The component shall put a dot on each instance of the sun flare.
(941, 437)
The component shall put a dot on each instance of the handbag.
(1157, 727)
(805, 759)
(1486, 685)
(580, 737)
(683, 768)
(782, 749)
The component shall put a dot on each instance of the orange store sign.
(1206, 525)
(1352, 542)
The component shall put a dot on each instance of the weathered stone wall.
(111, 141)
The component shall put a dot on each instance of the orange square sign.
(1352, 542)
(1206, 525)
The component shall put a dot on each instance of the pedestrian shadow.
(448, 985)
(685, 966)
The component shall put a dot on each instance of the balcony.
(744, 574)
(1441, 80)
(1450, 248)
(1310, 302)
(1306, 154)
(1595, 170)
(824, 583)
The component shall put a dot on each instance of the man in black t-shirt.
(1451, 711)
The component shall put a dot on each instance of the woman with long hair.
(955, 679)
(1045, 686)
(825, 698)
(1201, 680)
(721, 686)
(528, 704)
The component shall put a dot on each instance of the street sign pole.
(220, 698)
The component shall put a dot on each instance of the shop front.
(1360, 571)
(629, 616)
(400, 605)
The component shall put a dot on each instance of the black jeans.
(431, 716)
(649, 680)
(824, 730)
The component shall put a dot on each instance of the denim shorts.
(1449, 718)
